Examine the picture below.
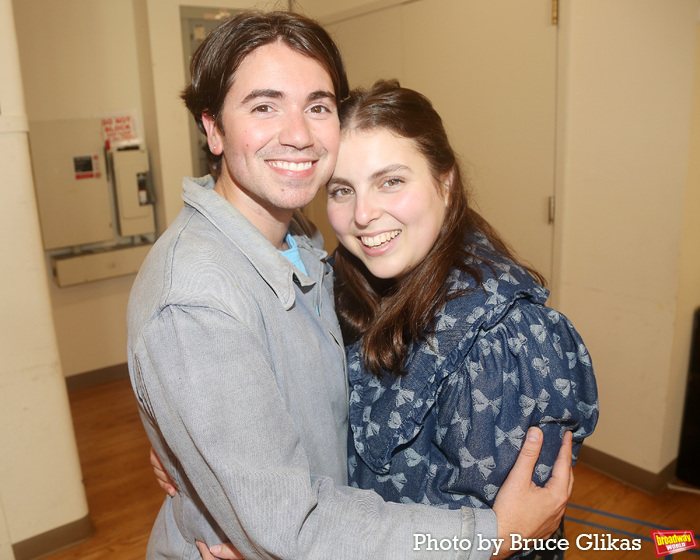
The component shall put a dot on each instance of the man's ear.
(215, 138)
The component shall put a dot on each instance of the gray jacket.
(238, 366)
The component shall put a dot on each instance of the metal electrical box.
(96, 205)
(72, 189)
(132, 188)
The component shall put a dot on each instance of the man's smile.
(290, 165)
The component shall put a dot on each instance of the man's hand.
(162, 477)
(525, 509)
(225, 551)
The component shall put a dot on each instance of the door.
(196, 23)
(490, 69)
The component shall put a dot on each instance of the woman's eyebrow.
(391, 168)
(387, 170)
(335, 180)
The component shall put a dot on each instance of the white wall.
(6, 552)
(628, 78)
(689, 271)
(40, 480)
(79, 61)
(328, 11)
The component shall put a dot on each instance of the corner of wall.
(688, 296)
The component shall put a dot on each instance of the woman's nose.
(366, 209)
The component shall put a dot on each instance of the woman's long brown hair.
(389, 315)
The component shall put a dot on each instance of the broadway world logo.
(670, 542)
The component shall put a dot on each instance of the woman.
(451, 351)
(452, 354)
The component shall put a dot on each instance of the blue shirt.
(292, 254)
(449, 431)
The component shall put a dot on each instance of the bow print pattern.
(497, 362)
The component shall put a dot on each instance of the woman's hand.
(162, 477)
(528, 510)
(225, 551)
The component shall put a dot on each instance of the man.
(235, 352)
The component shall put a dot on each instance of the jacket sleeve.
(530, 369)
(205, 384)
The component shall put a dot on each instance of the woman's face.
(383, 202)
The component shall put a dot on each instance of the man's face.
(280, 133)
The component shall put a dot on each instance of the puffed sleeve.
(529, 369)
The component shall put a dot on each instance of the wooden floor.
(124, 499)
(122, 494)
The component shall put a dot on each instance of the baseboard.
(97, 377)
(54, 540)
(649, 482)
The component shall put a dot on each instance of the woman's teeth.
(380, 239)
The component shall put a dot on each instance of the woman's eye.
(340, 192)
(394, 181)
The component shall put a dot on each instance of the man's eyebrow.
(277, 94)
(268, 93)
(321, 94)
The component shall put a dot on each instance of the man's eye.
(262, 109)
(319, 109)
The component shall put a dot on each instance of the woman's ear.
(215, 138)
(446, 184)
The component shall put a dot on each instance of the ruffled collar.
(387, 413)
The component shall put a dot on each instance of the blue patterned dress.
(498, 362)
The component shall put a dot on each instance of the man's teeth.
(291, 165)
(380, 239)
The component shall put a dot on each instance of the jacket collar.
(274, 268)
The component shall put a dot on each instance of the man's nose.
(296, 131)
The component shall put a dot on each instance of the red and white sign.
(118, 128)
(670, 542)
